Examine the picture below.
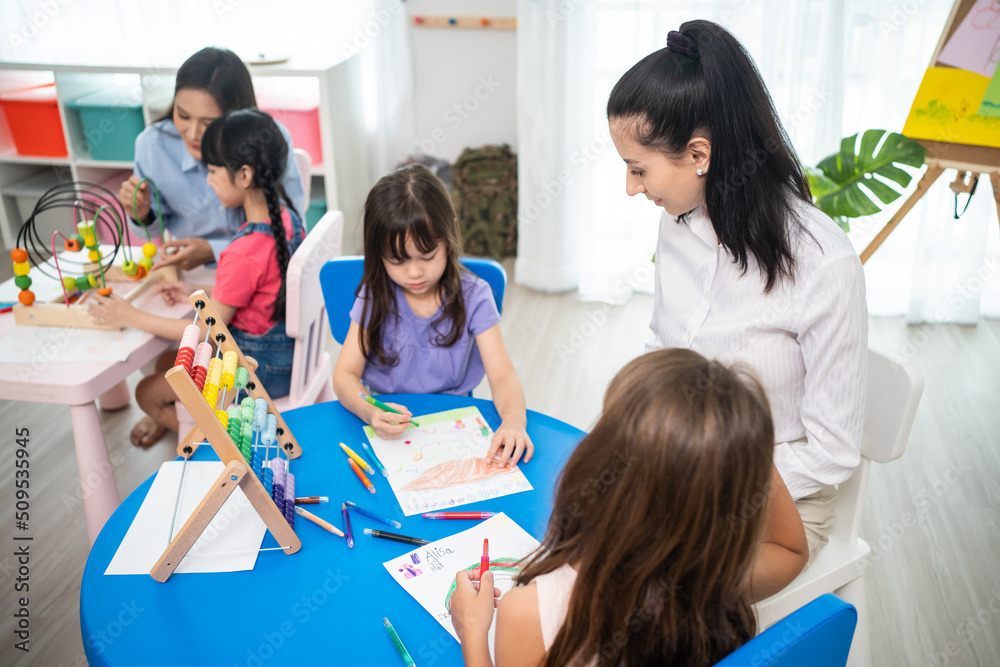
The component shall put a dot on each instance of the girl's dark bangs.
(416, 226)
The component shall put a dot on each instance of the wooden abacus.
(196, 381)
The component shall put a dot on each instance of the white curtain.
(833, 68)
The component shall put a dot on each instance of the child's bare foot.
(146, 432)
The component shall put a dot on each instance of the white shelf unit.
(341, 177)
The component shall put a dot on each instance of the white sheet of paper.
(441, 465)
(40, 345)
(236, 528)
(428, 572)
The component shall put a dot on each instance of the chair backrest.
(819, 635)
(341, 276)
(305, 311)
(893, 394)
(304, 160)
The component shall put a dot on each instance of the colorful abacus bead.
(24, 282)
(242, 377)
(21, 268)
(246, 440)
(255, 463)
(278, 487)
(270, 430)
(129, 267)
(211, 389)
(290, 499)
(223, 417)
(268, 481)
(69, 282)
(259, 414)
(94, 255)
(26, 297)
(145, 264)
(149, 250)
(247, 406)
(185, 354)
(234, 426)
(229, 360)
(202, 354)
(73, 243)
(82, 283)
(140, 272)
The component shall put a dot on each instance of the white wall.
(465, 79)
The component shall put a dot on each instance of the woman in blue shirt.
(209, 84)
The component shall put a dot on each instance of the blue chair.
(339, 279)
(819, 635)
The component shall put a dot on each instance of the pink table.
(78, 384)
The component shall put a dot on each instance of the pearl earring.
(701, 172)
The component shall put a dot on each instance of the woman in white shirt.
(746, 267)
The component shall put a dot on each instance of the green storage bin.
(111, 120)
(316, 210)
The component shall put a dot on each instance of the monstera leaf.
(854, 181)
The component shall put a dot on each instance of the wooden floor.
(932, 517)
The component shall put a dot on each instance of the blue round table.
(321, 605)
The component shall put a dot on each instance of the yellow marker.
(360, 461)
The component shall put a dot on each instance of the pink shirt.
(248, 278)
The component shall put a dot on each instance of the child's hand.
(174, 293)
(471, 607)
(509, 442)
(126, 193)
(389, 425)
(187, 254)
(111, 311)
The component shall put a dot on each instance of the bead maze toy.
(237, 434)
(80, 279)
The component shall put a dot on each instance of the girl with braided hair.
(246, 155)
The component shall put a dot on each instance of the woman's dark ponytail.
(754, 185)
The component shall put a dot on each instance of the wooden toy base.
(58, 314)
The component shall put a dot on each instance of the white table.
(79, 385)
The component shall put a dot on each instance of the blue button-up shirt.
(189, 205)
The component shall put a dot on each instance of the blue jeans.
(273, 352)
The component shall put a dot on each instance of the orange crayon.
(361, 475)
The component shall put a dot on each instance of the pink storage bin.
(295, 104)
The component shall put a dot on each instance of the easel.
(969, 161)
(237, 472)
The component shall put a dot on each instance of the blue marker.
(371, 454)
(375, 515)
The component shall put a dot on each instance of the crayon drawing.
(442, 464)
(434, 587)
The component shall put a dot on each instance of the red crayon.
(484, 562)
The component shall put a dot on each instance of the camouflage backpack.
(484, 191)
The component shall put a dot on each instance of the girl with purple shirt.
(422, 323)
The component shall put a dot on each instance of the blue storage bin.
(110, 120)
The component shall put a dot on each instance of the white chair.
(840, 566)
(305, 321)
(305, 163)
(305, 314)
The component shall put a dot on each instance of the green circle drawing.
(509, 565)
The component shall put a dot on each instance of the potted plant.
(858, 179)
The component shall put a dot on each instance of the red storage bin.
(33, 118)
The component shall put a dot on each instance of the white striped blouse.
(807, 340)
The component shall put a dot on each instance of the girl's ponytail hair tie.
(681, 43)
